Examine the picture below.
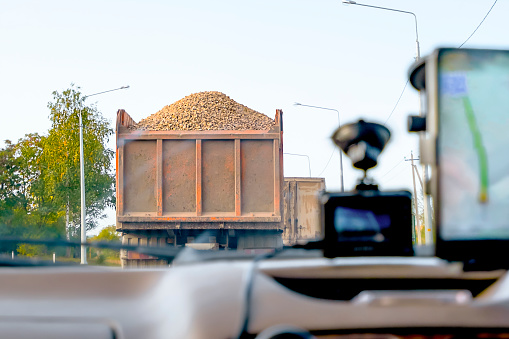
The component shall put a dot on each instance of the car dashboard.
(368, 297)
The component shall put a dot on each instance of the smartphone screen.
(473, 144)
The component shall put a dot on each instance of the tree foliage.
(61, 157)
(24, 211)
(107, 234)
(40, 175)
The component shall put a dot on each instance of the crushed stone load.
(205, 111)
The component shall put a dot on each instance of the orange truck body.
(177, 180)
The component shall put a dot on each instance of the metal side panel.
(140, 185)
(257, 179)
(302, 209)
(179, 176)
(308, 223)
(218, 176)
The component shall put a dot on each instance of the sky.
(265, 54)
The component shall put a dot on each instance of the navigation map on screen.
(473, 143)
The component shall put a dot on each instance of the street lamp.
(351, 2)
(340, 154)
(82, 181)
(302, 155)
(427, 198)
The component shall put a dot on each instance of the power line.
(395, 176)
(328, 161)
(479, 24)
(403, 91)
(389, 171)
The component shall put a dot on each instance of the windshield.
(205, 125)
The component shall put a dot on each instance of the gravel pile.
(205, 111)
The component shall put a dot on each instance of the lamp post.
(418, 51)
(82, 181)
(427, 199)
(302, 155)
(340, 154)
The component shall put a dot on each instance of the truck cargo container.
(227, 182)
(302, 209)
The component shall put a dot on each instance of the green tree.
(10, 198)
(107, 234)
(40, 175)
(60, 159)
(101, 255)
(24, 211)
(9, 181)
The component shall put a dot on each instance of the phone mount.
(362, 142)
(366, 221)
(459, 137)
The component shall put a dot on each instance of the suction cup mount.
(362, 142)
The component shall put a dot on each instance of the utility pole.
(417, 224)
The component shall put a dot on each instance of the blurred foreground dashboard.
(316, 297)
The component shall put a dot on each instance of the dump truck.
(174, 185)
(301, 213)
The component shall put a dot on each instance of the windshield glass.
(205, 125)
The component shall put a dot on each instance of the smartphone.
(472, 137)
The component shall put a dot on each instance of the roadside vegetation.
(40, 177)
